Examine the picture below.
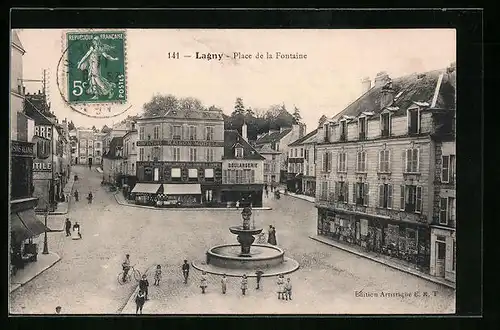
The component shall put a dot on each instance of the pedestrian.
(144, 284)
(203, 282)
(68, 227)
(258, 273)
(288, 289)
(267, 193)
(265, 186)
(271, 235)
(58, 309)
(140, 299)
(223, 283)
(237, 204)
(244, 284)
(126, 267)
(281, 286)
(76, 227)
(157, 275)
(76, 195)
(185, 271)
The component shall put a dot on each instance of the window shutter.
(336, 193)
(356, 168)
(389, 196)
(418, 203)
(365, 162)
(388, 160)
(379, 167)
(338, 162)
(417, 160)
(404, 160)
(381, 195)
(443, 211)
(345, 157)
(330, 160)
(367, 193)
(354, 193)
(402, 198)
(346, 192)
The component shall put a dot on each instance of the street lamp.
(45, 244)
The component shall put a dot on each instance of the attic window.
(238, 152)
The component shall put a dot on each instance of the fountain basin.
(261, 256)
(240, 230)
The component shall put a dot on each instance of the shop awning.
(20, 231)
(146, 188)
(182, 189)
(31, 222)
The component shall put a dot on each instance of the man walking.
(139, 301)
(126, 267)
(258, 273)
(223, 283)
(185, 271)
(244, 284)
(144, 284)
(68, 227)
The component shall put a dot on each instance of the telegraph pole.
(45, 243)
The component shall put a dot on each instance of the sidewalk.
(32, 270)
(129, 307)
(303, 197)
(63, 207)
(121, 200)
(386, 260)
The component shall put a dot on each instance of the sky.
(324, 83)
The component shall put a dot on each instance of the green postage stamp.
(96, 70)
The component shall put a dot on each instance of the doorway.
(440, 258)
(90, 161)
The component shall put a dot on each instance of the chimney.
(381, 79)
(387, 95)
(366, 84)
(244, 131)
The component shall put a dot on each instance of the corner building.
(179, 160)
(376, 170)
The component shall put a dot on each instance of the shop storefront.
(244, 194)
(443, 254)
(145, 193)
(403, 240)
(309, 186)
(180, 195)
(294, 183)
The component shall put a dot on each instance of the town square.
(130, 195)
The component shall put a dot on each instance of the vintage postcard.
(213, 171)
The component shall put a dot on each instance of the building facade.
(112, 163)
(180, 158)
(376, 166)
(242, 172)
(90, 146)
(302, 165)
(278, 140)
(272, 164)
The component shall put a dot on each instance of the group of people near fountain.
(284, 287)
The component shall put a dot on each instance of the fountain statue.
(236, 259)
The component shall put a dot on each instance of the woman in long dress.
(97, 85)
(271, 238)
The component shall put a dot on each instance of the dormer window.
(326, 129)
(343, 130)
(362, 127)
(413, 116)
(385, 124)
(238, 152)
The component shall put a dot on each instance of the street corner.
(32, 270)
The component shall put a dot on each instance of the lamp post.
(45, 244)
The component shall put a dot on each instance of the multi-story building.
(302, 165)
(98, 147)
(242, 171)
(23, 223)
(74, 147)
(90, 146)
(376, 168)
(130, 151)
(272, 162)
(112, 162)
(117, 130)
(180, 155)
(279, 140)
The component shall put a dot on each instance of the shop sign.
(43, 131)
(20, 148)
(42, 166)
(242, 165)
(180, 143)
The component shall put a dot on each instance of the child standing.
(244, 284)
(288, 289)
(157, 275)
(281, 286)
(223, 282)
(203, 283)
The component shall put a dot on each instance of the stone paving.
(328, 281)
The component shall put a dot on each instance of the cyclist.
(126, 267)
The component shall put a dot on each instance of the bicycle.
(131, 271)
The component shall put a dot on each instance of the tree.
(296, 115)
(190, 104)
(239, 108)
(94, 129)
(249, 112)
(160, 105)
(71, 126)
(321, 120)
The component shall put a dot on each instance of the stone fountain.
(236, 259)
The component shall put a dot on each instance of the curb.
(18, 285)
(295, 196)
(250, 274)
(67, 210)
(397, 267)
(134, 293)
(186, 208)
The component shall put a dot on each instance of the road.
(85, 280)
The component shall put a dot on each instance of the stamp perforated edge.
(62, 79)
